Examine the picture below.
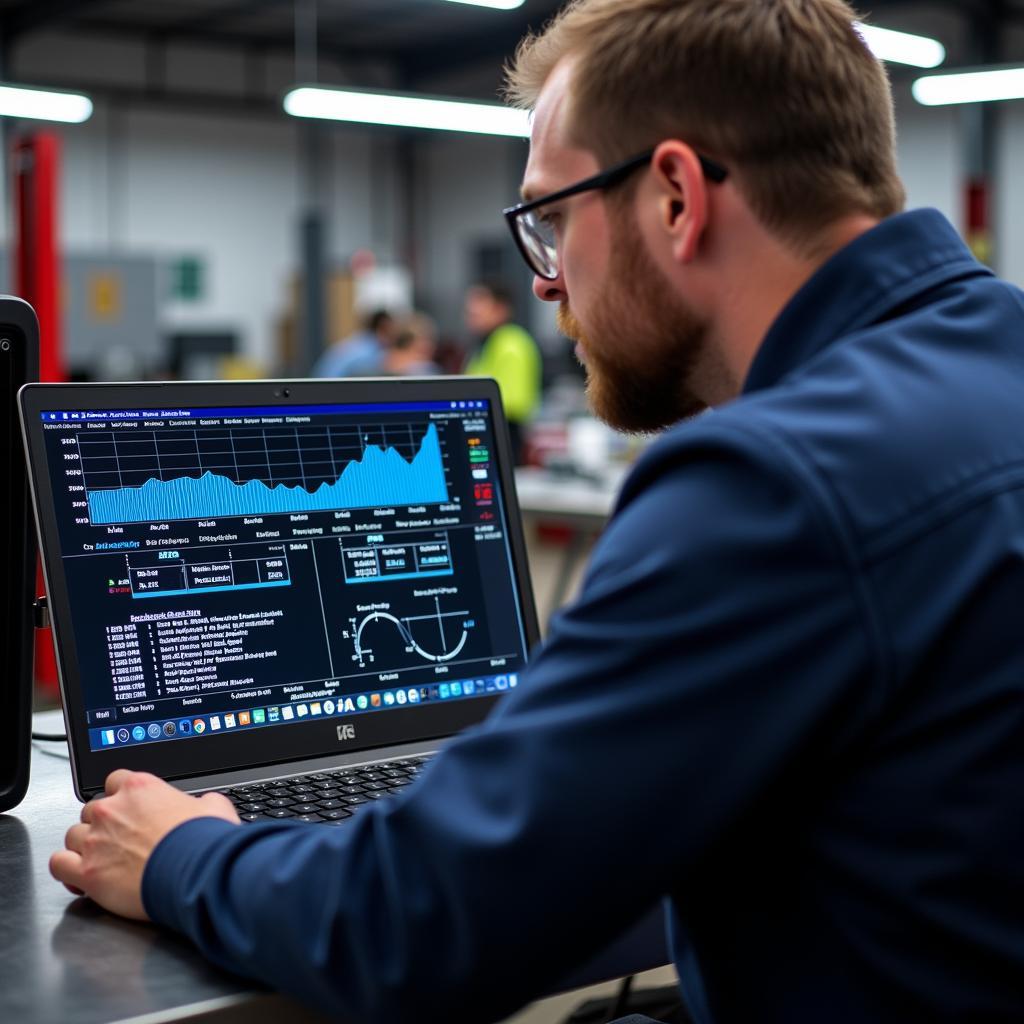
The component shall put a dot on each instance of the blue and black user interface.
(241, 568)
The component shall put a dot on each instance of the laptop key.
(329, 805)
(336, 814)
(309, 817)
(279, 812)
(353, 801)
(301, 788)
(252, 816)
(280, 801)
(304, 808)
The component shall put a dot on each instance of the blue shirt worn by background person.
(790, 697)
(359, 355)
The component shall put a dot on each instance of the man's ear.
(682, 199)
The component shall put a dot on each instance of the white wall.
(1009, 205)
(930, 155)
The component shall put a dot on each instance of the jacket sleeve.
(719, 643)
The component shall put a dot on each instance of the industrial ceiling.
(404, 44)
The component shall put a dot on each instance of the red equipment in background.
(979, 232)
(36, 163)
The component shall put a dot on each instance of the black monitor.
(19, 363)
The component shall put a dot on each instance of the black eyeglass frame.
(603, 179)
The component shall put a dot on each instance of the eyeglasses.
(534, 232)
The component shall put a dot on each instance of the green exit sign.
(187, 279)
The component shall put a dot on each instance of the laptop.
(277, 589)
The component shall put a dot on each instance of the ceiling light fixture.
(498, 5)
(970, 87)
(402, 110)
(44, 104)
(902, 47)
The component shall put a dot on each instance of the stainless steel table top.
(63, 960)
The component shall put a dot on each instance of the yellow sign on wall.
(105, 296)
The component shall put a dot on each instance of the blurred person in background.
(362, 354)
(506, 352)
(414, 349)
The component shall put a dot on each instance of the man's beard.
(642, 346)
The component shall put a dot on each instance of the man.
(362, 354)
(789, 697)
(506, 352)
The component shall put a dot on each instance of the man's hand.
(106, 853)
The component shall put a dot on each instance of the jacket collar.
(889, 265)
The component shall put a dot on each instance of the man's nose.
(550, 291)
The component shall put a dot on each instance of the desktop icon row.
(228, 720)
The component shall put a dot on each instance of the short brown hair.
(785, 93)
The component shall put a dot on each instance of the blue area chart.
(381, 477)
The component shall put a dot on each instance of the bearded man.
(788, 701)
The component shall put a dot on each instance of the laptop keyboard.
(327, 798)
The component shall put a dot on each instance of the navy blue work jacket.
(790, 699)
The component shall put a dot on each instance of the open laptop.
(254, 581)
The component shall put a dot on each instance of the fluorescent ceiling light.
(407, 111)
(970, 87)
(44, 105)
(500, 5)
(902, 47)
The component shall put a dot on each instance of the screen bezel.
(18, 325)
(212, 754)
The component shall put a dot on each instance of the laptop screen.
(253, 568)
